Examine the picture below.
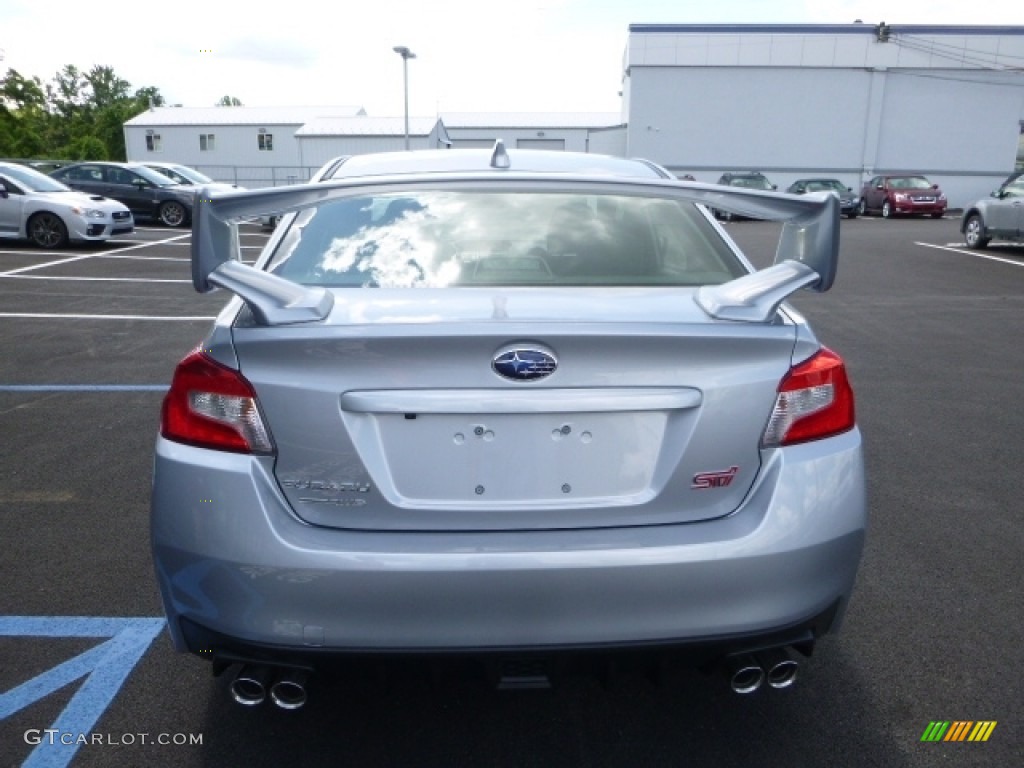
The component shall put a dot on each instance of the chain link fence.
(257, 177)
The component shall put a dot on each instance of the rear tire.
(886, 210)
(47, 230)
(172, 214)
(937, 215)
(974, 233)
(862, 207)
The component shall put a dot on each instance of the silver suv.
(997, 217)
(506, 403)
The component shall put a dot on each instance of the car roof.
(480, 160)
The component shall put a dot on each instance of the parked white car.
(36, 207)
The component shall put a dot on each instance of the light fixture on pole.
(406, 54)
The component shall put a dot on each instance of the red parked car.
(892, 195)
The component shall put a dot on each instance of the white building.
(570, 131)
(848, 101)
(324, 138)
(251, 146)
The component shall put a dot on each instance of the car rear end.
(514, 426)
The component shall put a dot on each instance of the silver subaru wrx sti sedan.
(506, 403)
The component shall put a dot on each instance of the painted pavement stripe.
(104, 667)
(89, 256)
(965, 252)
(95, 279)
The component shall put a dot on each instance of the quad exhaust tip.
(289, 691)
(249, 688)
(745, 674)
(779, 668)
(252, 685)
(774, 666)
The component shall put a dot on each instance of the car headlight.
(942, 198)
(900, 198)
(856, 201)
(89, 213)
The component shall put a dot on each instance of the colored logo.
(524, 364)
(714, 479)
(958, 730)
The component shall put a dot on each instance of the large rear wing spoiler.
(806, 256)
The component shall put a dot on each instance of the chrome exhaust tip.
(289, 690)
(249, 688)
(745, 674)
(780, 669)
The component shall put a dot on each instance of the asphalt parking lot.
(932, 335)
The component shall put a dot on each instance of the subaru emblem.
(524, 363)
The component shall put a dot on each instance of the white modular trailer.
(224, 137)
(325, 138)
(569, 131)
(848, 101)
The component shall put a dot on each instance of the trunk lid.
(390, 413)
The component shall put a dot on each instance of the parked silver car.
(503, 403)
(997, 217)
(35, 207)
(190, 177)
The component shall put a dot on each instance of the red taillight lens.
(815, 400)
(213, 406)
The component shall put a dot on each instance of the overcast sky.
(472, 55)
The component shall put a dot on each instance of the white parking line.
(12, 272)
(973, 253)
(145, 258)
(54, 316)
(72, 279)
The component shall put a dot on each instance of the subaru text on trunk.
(504, 404)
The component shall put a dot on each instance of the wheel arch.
(972, 211)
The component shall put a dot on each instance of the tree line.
(76, 116)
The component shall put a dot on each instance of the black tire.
(937, 215)
(974, 232)
(172, 214)
(853, 214)
(886, 210)
(47, 230)
(862, 207)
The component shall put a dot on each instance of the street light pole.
(406, 54)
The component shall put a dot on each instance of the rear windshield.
(442, 238)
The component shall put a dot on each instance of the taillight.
(815, 400)
(213, 406)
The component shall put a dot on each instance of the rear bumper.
(236, 568)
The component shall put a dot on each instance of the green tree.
(78, 115)
(85, 148)
(23, 116)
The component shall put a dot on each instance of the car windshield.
(824, 185)
(444, 238)
(1015, 188)
(750, 182)
(152, 176)
(910, 182)
(33, 180)
(185, 175)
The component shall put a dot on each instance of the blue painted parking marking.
(104, 667)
